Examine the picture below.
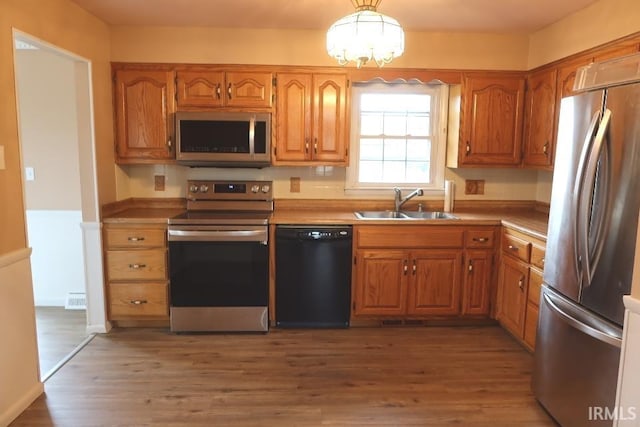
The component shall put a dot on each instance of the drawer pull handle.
(137, 266)
(521, 282)
(513, 248)
(481, 239)
(138, 301)
(135, 239)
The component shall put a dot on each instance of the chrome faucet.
(399, 201)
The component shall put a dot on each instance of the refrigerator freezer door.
(576, 362)
(579, 120)
(616, 199)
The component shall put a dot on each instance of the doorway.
(54, 110)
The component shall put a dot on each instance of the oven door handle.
(260, 236)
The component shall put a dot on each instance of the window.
(398, 136)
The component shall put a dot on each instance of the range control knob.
(265, 188)
(255, 188)
(193, 188)
(204, 188)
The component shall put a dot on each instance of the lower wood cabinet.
(422, 271)
(519, 284)
(136, 271)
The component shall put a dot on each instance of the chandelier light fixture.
(365, 35)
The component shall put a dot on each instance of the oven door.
(219, 278)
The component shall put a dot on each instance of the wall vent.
(76, 301)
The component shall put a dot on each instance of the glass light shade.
(363, 36)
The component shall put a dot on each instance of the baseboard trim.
(17, 408)
(99, 329)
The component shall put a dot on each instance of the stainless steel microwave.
(223, 139)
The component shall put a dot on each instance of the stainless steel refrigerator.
(590, 245)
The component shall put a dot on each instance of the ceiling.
(414, 15)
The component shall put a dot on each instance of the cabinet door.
(435, 282)
(293, 121)
(533, 300)
(540, 119)
(381, 282)
(252, 90)
(512, 294)
(330, 118)
(144, 108)
(476, 293)
(200, 88)
(567, 76)
(491, 121)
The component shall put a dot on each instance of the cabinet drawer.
(517, 247)
(137, 265)
(537, 256)
(535, 284)
(134, 237)
(138, 299)
(480, 239)
(409, 237)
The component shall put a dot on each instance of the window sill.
(383, 193)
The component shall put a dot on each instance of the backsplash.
(328, 182)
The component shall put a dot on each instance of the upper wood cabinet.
(491, 120)
(311, 119)
(144, 102)
(567, 76)
(217, 88)
(540, 119)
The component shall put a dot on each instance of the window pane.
(395, 149)
(371, 124)
(370, 171)
(395, 124)
(393, 172)
(371, 149)
(418, 172)
(419, 149)
(418, 125)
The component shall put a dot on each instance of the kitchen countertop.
(527, 221)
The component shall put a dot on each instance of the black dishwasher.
(313, 276)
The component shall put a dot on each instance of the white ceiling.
(414, 15)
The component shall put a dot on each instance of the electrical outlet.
(294, 184)
(29, 174)
(158, 182)
(474, 186)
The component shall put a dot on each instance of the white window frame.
(438, 122)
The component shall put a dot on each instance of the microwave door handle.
(252, 135)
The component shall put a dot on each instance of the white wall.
(57, 259)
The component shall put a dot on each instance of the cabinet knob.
(138, 301)
(137, 266)
(306, 145)
(470, 266)
(521, 282)
(135, 239)
(229, 90)
(468, 148)
(405, 267)
(169, 144)
(415, 268)
(545, 148)
(218, 91)
(315, 145)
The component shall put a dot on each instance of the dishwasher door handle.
(258, 235)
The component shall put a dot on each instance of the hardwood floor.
(422, 376)
(60, 331)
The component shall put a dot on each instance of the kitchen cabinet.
(144, 101)
(567, 76)
(540, 119)
(519, 284)
(311, 119)
(491, 108)
(217, 88)
(417, 271)
(136, 271)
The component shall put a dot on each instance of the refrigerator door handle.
(595, 329)
(587, 200)
(577, 195)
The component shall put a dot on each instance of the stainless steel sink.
(409, 215)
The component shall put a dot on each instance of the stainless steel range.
(219, 259)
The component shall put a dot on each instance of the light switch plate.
(3, 165)
(29, 174)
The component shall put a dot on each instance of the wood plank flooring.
(422, 376)
(60, 331)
